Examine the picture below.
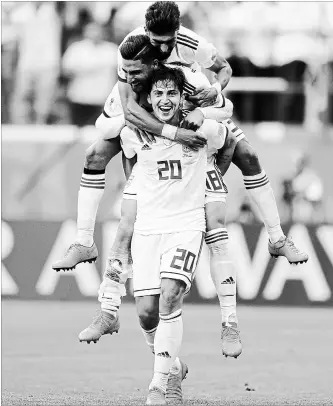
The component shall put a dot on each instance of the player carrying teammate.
(168, 232)
(180, 46)
(138, 71)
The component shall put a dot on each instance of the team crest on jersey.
(187, 152)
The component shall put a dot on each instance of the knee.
(95, 158)
(172, 292)
(148, 316)
(215, 222)
(247, 159)
(215, 215)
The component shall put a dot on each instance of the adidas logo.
(228, 281)
(164, 354)
(145, 147)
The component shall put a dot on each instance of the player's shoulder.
(188, 38)
(209, 126)
(127, 134)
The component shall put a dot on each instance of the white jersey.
(190, 49)
(172, 181)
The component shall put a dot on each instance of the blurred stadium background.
(281, 54)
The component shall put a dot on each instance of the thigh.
(147, 305)
(246, 158)
(146, 264)
(180, 253)
(103, 151)
(216, 212)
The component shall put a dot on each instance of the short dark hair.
(162, 17)
(163, 73)
(138, 47)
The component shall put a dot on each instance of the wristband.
(169, 131)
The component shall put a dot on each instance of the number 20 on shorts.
(185, 260)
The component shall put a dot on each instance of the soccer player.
(217, 237)
(170, 222)
(178, 46)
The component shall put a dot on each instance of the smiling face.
(137, 74)
(165, 99)
(165, 43)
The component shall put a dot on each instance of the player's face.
(137, 74)
(165, 99)
(165, 43)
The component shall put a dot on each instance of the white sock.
(90, 194)
(222, 272)
(168, 338)
(149, 335)
(262, 194)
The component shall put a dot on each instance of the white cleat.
(76, 254)
(104, 323)
(230, 336)
(174, 393)
(156, 397)
(285, 247)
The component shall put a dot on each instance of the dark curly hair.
(163, 73)
(163, 17)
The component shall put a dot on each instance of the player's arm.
(139, 117)
(222, 71)
(225, 154)
(220, 111)
(209, 58)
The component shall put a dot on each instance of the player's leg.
(148, 312)
(223, 274)
(91, 191)
(259, 188)
(118, 267)
(179, 257)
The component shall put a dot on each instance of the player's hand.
(194, 120)
(190, 139)
(203, 96)
(145, 136)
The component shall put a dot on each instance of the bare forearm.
(224, 75)
(140, 118)
(225, 155)
(222, 71)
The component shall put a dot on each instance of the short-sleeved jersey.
(194, 79)
(190, 49)
(172, 181)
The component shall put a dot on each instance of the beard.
(165, 55)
